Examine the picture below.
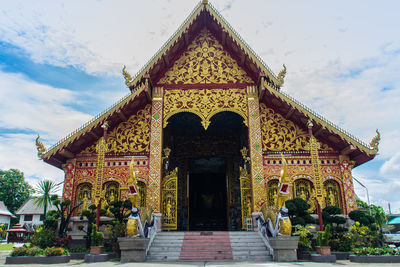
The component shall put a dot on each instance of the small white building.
(31, 216)
(5, 218)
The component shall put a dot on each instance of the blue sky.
(61, 61)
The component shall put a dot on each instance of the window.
(41, 217)
(28, 218)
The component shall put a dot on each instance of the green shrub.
(298, 221)
(55, 251)
(323, 237)
(298, 211)
(21, 251)
(362, 217)
(333, 210)
(340, 242)
(34, 251)
(371, 251)
(97, 237)
(24, 251)
(304, 234)
(78, 249)
(43, 238)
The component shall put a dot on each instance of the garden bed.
(341, 255)
(375, 259)
(38, 259)
(78, 255)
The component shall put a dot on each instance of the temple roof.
(140, 85)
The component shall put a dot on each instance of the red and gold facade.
(206, 70)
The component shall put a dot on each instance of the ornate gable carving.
(205, 103)
(131, 136)
(280, 134)
(205, 61)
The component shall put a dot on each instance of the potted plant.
(323, 238)
(305, 237)
(97, 241)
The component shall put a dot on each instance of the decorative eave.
(181, 33)
(88, 127)
(353, 143)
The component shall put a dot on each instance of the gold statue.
(132, 224)
(311, 202)
(168, 209)
(332, 198)
(40, 148)
(277, 216)
(303, 195)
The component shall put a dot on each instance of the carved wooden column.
(69, 170)
(349, 196)
(255, 144)
(155, 162)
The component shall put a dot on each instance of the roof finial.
(205, 2)
(40, 148)
(127, 76)
(375, 141)
(282, 74)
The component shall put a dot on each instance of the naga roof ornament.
(127, 76)
(282, 74)
(375, 141)
(40, 148)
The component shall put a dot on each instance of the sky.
(61, 62)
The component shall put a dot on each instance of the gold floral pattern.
(205, 61)
(132, 135)
(280, 134)
(205, 103)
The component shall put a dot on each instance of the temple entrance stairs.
(208, 246)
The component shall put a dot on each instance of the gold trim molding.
(205, 103)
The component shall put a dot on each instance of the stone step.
(208, 246)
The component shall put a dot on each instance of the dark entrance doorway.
(208, 162)
(207, 194)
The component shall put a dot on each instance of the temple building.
(204, 124)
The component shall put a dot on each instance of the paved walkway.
(208, 264)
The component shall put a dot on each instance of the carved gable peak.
(205, 61)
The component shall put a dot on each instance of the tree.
(298, 211)
(45, 188)
(14, 190)
(64, 211)
(379, 215)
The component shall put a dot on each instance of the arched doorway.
(208, 162)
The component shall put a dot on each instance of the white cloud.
(391, 167)
(29, 109)
(36, 107)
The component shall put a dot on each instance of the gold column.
(255, 144)
(155, 164)
(69, 170)
(101, 150)
(348, 188)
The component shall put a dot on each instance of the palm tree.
(45, 189)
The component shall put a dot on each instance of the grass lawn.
(6, 246)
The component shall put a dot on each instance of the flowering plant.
(55, 251)
(361, 236)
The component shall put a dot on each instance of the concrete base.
(284, 247)
(375, 259)
(38, 260)
(96, 257)
(341, 255)
(323, 258)
(78, 255)
(133, 249)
